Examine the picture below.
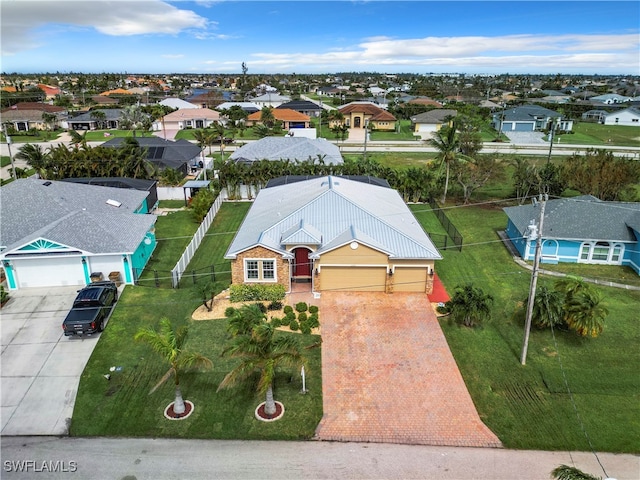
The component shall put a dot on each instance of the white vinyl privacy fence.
(187, 255)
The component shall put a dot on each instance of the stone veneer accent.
(282, 266)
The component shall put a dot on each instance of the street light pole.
(551, 131)
(534, 283)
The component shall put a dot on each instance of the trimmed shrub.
(277, 305)
(301, 307)
(302, 317)
(262, 307)
(313, 321)
(287, 309)
(290, 316)
(313, 309)
(257, 292)
(285, 321)
(305, 328)
(294, 326)
(229, 311)
(276, 322)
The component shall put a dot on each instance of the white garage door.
(48, 272)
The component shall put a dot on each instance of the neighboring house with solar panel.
(337, 233)
(581, 229)
(294, 149)
(60, 233)
(181, 155)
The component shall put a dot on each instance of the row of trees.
(62, 161)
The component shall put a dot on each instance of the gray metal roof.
(299, 149)
(580, 218)
(526, 113)
(338, 211)
(72, 214)
(433, 116)
(110, 114)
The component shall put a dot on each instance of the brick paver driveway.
(388, 375)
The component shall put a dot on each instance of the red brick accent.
(282, 266)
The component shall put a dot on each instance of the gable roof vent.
(113, 203)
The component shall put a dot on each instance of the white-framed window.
(259, 270)
(601, 252)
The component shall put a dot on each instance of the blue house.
(60, 233)
(579, 230)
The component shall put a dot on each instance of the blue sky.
(156, 36)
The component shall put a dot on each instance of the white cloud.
(523, 52)
(22, 19)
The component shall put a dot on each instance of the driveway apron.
(40, 367)
(388, 374)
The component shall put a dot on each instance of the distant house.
(303, 106)
(272, 100)
(427, 123)
(248, 107)
(295, 149)
(188, 118)
(60, 233)
(337, 233)
(596, 116)
(426, 101)
(180, 155)
(89, 120)
(610, 99)
(23, 120)
(177, 103)
(629, 116)
(579, 230)
(359, 114)
(289, 118)
(329, 91)
(529, 118)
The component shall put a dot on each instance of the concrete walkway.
(388, 375)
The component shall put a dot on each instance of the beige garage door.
(407, 279)
(357, 279)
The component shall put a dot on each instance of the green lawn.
(40, 136)
(122, 406)
(597, 134)
(104, 135)
(528, 407)
(4, 161)
(394, 159)
(405, 133)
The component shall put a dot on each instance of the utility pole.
(8, 140)
(551, 131)
(366, 134)
(534, 281)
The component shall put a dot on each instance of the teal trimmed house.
(55, 233)
(581, 229)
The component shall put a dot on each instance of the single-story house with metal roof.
(248, 107)
(180, 155)
(336, 233)
(629, 116)
(529, 118)
(427, 123)
(88, 120)
(177, 103)
(303, 106)
(295, 149)
(61, 233)
(581, 229)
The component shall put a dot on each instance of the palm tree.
(548, 308)
(565, 472)
(446, 142)
(133, 118)
(242, 320)
(266, 117)
(169, 343)
(263, 352)
(585, 313)
(469, 305)
(99, 116)
(35, 157)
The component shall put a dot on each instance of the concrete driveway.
(40, 367)
(388, 374)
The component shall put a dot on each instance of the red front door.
(302, 266)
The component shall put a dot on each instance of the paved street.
(160, 459)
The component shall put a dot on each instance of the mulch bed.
(262, 414)
(188, 406)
